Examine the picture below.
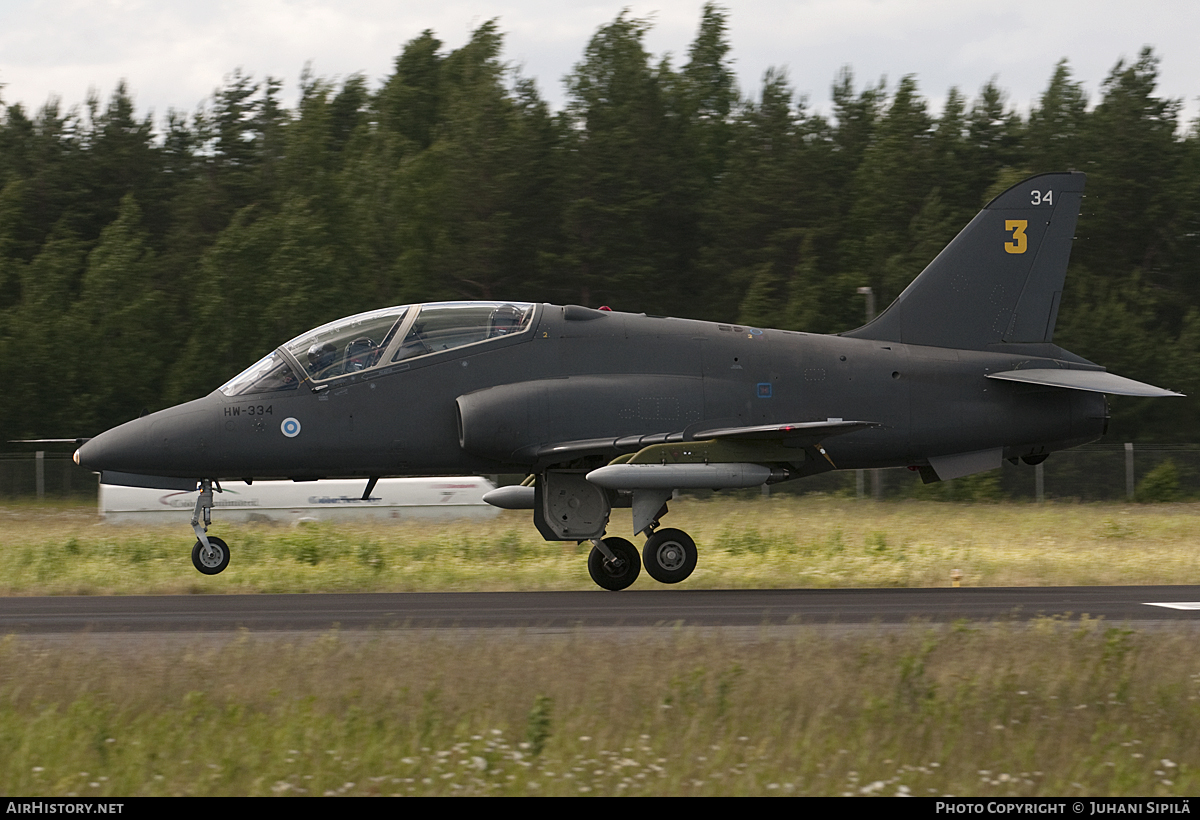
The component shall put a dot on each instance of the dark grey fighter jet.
(604, 409)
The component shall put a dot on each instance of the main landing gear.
(669, 555)
(210, 555)
(613, 563)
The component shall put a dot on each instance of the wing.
(806, 432)
(705, 456)
(793, 434)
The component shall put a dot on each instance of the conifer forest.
(145, 260)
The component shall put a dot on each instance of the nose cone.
(119, 449)
(179, 442)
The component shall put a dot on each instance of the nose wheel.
(211, 559)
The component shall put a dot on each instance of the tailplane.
(999, 280)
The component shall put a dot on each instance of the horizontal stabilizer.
(804, 432)
(78, 442)
(680, 476)
(1095, 381)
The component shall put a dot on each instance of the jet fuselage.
(578, 374)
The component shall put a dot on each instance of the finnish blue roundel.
(290, 427)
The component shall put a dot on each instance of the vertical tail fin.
(999, 280)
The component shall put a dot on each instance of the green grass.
(784, 541)
(1053, 709)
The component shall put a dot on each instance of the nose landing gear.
(210, 555)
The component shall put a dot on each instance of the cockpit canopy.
(347, 345)
(377, 338)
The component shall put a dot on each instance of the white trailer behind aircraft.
(289, 501)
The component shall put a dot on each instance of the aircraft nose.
(173, 442)
(117, 449)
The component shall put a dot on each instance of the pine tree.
(1053, 136)
(614, 171)
(119, 318)
(889, 190)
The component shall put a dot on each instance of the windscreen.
(267, 375)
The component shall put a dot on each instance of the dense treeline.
(143, 265)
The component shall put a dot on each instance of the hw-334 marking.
(250, 410)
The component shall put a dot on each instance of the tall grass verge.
(754, 542)
(1055, 708)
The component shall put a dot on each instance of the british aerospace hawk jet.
(603, 409)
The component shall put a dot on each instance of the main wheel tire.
(615, 575)
(213, 561)
(669, 555)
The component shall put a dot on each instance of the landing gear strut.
(210, 554)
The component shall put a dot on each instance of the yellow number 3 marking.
(1020, 241)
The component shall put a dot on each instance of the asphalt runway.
(314, 613)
